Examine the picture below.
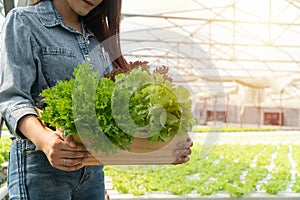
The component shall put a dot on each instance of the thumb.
(68, 139)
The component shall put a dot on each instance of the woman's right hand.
(62, 152)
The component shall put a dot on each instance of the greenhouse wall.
(292, 117)
(270, 116)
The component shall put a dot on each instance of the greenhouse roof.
(241, 43)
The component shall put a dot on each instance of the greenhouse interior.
(240, 60)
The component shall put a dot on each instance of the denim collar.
(48, 15)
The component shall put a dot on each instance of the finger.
(183, 152)
(187, 144)
(69, 141)
(190, 141)
(70, 168)
(189, 151)
(74, 154)
(66, 164)
(181, 160)
(59, 133)
(66, 147)
(71, 162)
(182, 156)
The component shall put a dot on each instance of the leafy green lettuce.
(111, 113)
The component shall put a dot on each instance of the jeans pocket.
(25, 152)
(29, 148)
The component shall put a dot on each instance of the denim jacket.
(37, 50)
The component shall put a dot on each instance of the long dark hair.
(104, 22)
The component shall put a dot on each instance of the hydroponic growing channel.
(232, 170)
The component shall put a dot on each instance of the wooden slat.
(142, 153)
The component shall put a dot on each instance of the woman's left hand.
(183, 151)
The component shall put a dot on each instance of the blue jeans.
(31, 177)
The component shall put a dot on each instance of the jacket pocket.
(58, 64)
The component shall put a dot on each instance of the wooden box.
(142, 153)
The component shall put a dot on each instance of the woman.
(41, 44)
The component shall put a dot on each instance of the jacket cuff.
(14, 115)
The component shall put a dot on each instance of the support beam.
(8, 5)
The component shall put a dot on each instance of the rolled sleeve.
(13, 115)
(18, 70)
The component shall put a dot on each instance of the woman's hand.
(183, 151)
(62, 152)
